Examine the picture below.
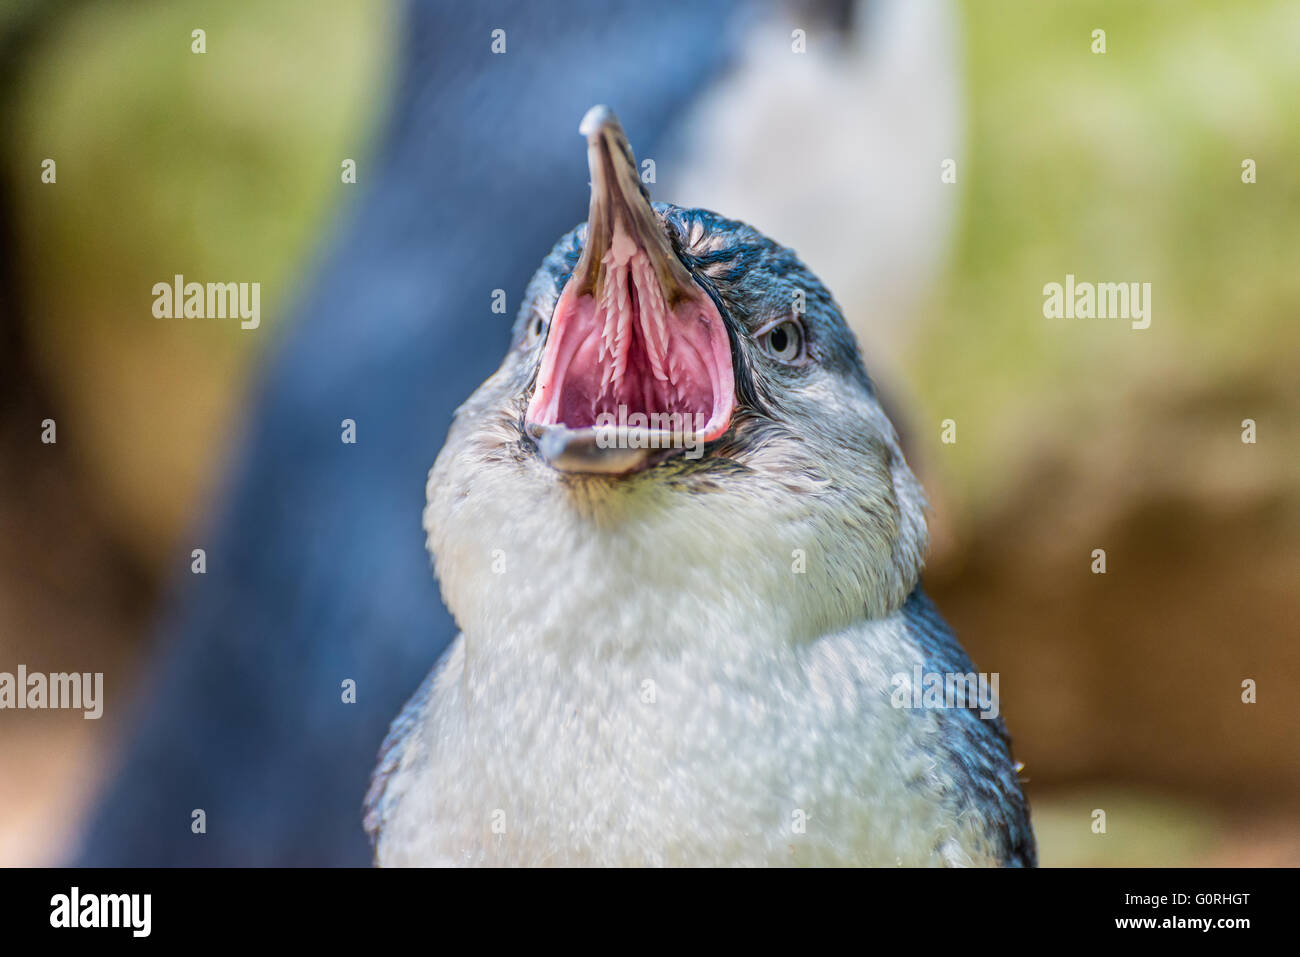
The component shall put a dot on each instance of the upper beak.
(619, 197)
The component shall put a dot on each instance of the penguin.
(683, 547)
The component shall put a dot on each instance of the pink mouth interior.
(628, 349)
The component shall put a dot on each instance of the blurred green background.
(1122, 691)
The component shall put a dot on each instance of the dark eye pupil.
(537, 327)
(779, 339)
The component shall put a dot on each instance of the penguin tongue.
(637, 356)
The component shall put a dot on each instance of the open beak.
(637, 362)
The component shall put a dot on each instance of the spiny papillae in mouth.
(626, 351)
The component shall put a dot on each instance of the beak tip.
(596, 119)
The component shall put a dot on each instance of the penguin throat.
(623, 356)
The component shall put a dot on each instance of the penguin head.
(668, 356)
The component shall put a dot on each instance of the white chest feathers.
(783, 757)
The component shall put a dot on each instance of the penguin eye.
(784, 341)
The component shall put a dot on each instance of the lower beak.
(637, 359)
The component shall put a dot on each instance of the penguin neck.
(533, 564)
(658, 571)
